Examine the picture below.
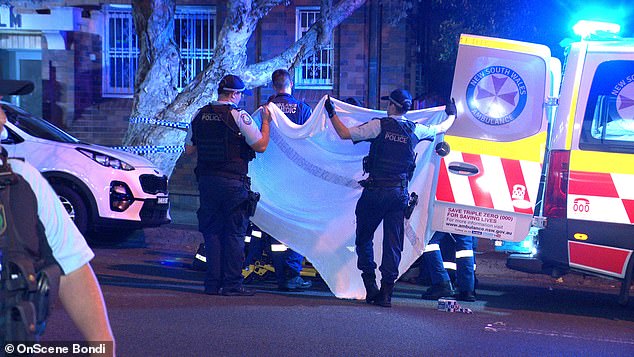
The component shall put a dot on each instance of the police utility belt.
(252, 198)
(377, 183)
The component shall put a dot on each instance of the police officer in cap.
(226, 139)
(390, 165)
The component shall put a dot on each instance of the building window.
(194, 33)
(316, 71)
(121, 52)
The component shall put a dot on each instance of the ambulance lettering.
(624, 92)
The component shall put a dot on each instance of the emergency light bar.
(585, 28)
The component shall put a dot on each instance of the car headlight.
(106, 160)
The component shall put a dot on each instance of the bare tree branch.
(262, 7)
(318, 35)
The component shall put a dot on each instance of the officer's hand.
(266, 113)
(450, 108)
(330, 108)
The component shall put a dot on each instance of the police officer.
(390, 165)
(289, 262)
(37, 232)
(465, 269)
(226, 139)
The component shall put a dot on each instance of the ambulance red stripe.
(481, 197)
(592, 184)
(514, 176)
(597, 257)
(443, 189)
(629, 208)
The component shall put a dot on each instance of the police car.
(99, 186)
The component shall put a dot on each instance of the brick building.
(82, 58)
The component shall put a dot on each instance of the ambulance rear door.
(488, 184)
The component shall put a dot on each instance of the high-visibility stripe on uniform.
(431, 248)
(278, 247)
(467, 253)
(449, 265)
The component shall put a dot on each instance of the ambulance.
(543, 155)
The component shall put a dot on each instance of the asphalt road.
(157, 309)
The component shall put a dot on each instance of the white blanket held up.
(308, 181)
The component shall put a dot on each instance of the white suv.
(100, 187)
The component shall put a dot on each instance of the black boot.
(385, 295)
(371, 290)
(436, 291)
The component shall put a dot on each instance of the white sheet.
(308, 181)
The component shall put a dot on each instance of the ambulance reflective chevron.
(583, 207)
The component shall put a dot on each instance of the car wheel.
(74, 205)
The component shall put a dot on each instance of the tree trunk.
(156, 96)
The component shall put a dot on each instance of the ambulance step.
(525, 263)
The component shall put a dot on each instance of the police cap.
(232, 83)
(401, 98)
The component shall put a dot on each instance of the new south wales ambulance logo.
(624, 92)
(496, 95)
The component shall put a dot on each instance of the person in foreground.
(390, 165)
(38, 234)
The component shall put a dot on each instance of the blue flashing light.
(587, 29)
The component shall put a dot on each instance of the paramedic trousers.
(288, 261)
(465, 276)
(223, 221)
(375, 205)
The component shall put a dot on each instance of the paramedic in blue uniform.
(226, 139)
(390, 165)
(290, 262)
(441, 285)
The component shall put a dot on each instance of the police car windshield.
(36, 127)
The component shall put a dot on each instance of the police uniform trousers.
(375, 205)
(465, 276)
(223, 220)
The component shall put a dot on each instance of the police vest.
(391, 154)
(29, 273)
(221, 147)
